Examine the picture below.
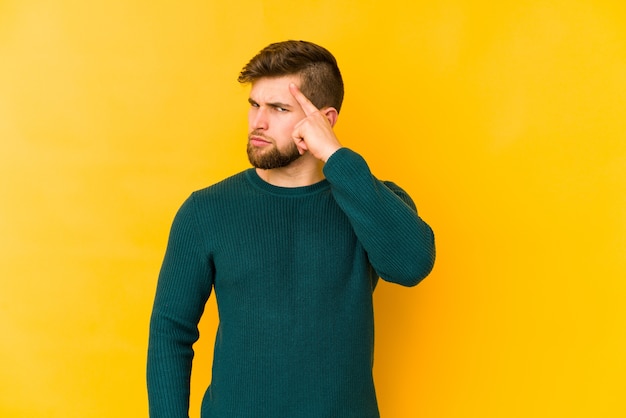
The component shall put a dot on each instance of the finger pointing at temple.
(315, 133)
(308, 107)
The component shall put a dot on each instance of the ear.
(331, 114)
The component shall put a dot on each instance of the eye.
(280, 107)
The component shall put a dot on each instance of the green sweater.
(293, 271)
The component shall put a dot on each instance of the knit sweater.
(293, 271)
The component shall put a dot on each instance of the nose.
(258, 118)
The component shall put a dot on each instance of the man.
(293, 249)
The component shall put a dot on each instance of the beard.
(268, 159)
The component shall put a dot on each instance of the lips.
(258, 141)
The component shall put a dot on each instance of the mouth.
(258, 141)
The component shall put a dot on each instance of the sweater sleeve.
(183, 287)
(399, 244)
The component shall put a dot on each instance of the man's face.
(272, 116)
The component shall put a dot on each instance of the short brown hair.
(316, 66)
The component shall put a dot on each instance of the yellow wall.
(505, 121)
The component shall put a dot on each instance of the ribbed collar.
(261, 184)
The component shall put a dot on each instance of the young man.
(293, 249)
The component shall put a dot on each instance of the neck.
(300, 173)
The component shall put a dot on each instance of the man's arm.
(399, 244)
(183, 288)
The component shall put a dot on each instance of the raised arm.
(400, 245)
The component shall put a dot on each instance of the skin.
(280, 116)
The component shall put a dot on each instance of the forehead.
(271, 89)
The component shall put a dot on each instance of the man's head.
(316, 67)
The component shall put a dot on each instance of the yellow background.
(504, 120)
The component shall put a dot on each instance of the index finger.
(308, 107)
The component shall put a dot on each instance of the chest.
(307, 243)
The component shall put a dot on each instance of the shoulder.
(225, 187)
(223, 199)
(215, 201)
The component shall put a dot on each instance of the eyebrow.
(272, 104)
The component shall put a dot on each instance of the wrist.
(330, 153)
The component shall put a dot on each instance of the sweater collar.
(259, 183)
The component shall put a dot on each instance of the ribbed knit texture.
(293, 270)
